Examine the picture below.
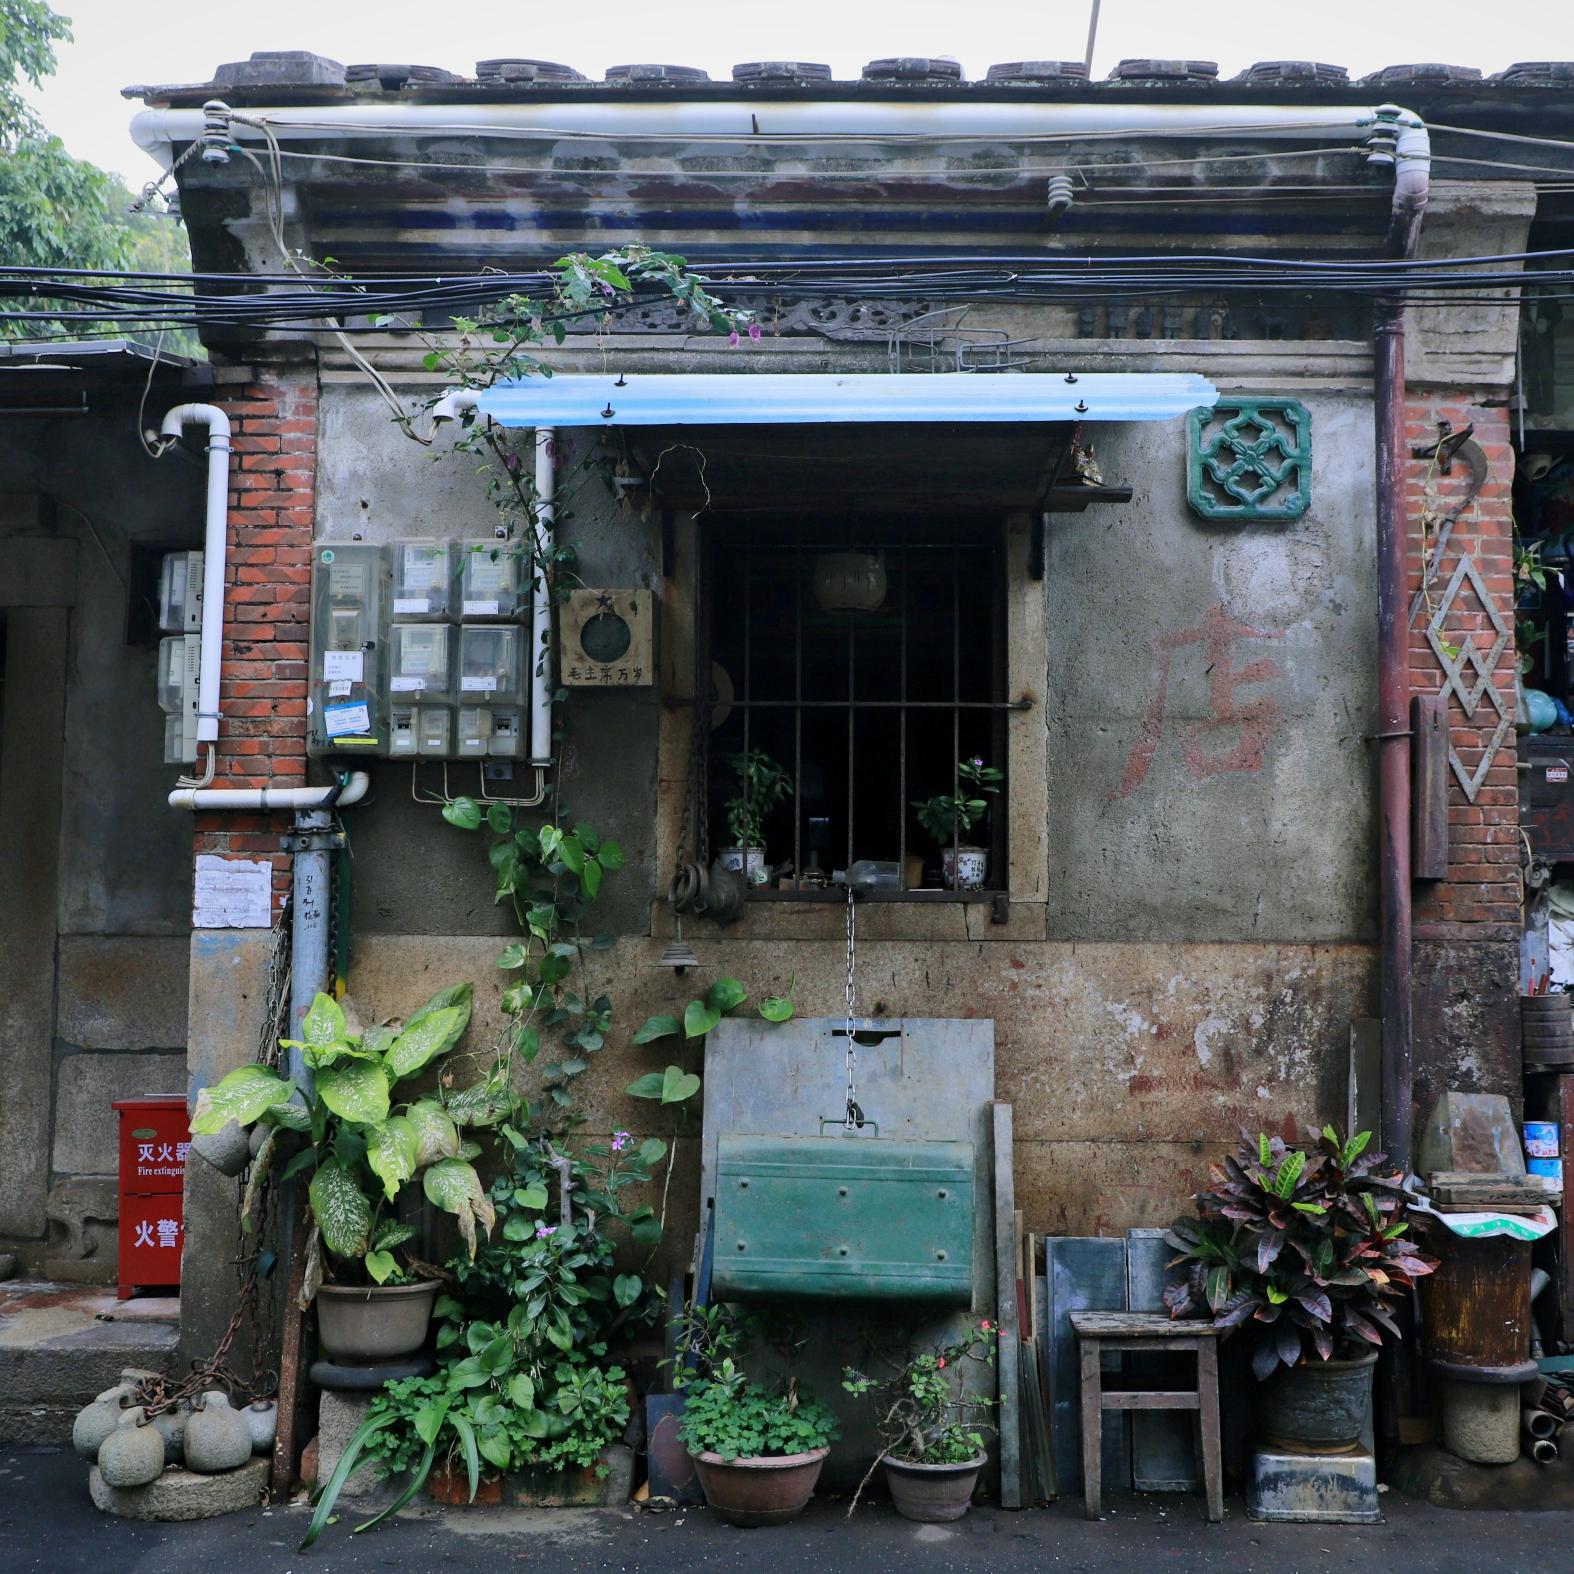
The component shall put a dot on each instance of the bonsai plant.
(757, 1448)
(361, 1150)
(1303, 1250)
(932, 1435)
(762, 784)
(950, 817)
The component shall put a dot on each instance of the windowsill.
(838, 895)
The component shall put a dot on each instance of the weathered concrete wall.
(90, 784)
(1169, 819)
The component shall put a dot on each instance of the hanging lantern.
(850, 581)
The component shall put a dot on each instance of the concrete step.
(61, 1344)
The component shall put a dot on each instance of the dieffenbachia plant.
(363, 1143)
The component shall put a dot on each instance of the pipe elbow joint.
(209, 415)
(453, 404)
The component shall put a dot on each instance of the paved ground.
(47, 1523)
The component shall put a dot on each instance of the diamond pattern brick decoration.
(1250, 460)
(1455, 660)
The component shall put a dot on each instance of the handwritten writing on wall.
(1252, 720)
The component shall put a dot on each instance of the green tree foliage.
(57, 211)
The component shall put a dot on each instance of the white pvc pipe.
(215, 543)
(157, 131)
(541, 601)
(261, 798)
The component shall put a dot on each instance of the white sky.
(119, 41)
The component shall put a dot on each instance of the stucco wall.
(1204, 946)
(113, 1016)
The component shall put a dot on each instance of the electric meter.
(490, 731)
(423, 578)
(494, 579)
(180, 592)
(349, 618)
(179, 667)
(420, 664)
(491, 664)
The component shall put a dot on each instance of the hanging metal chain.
(855, 1115)
(276, 1003)
(690, 889)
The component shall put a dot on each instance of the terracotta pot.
(380, 1322)
(759, 1491)
(932, 1493)
(1318, 1407)
(452, 1486)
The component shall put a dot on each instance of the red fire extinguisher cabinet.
(155, 1137)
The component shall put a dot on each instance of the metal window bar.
(900, 554)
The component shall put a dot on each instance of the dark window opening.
(865, 657)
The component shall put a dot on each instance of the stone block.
(85, 1135)
(82, 1247)
(181, 1495)
(123, 991)
(338, 1416)
(1481, 1421)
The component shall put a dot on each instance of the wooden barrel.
(1475, 1308)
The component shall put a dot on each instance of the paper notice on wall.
(232, 893)
(343, 664)
(344, 721)
(339, 688)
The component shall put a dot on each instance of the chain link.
(855, 1115)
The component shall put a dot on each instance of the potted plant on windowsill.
(950, 817)
(762, 784)
(932, 1433)
(757, 1448)
(1303, 1250)
(360, 1149)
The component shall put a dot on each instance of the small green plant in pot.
(762, 784)
(360, 1146)
(931, 1431)
(1303, 1251)
(949, 819)
(757, 1447)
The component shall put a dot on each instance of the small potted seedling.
(950, 817)
(762, 784)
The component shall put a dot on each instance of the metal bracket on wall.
(313, 842)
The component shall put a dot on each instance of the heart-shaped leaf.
(724, 994)
(699, 1018)
(776, 1008)
(464, 813)
(626, 1288)
(657, 1027)
(648, 1086)
(678, 1085)
(381, 1266)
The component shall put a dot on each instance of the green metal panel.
(1249, 460)
(844, 1218)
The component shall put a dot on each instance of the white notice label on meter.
(343, 720)
(474, 685)
(480, 609)
(348, 664)
(406, 685)
(408, 604)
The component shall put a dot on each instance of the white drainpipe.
(259, 799)
(214, 545)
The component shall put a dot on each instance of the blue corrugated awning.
(788, 398)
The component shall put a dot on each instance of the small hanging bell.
(679, 956)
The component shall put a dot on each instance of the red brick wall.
(1480, 897)
(262, 687)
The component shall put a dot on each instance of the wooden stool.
(1100, 1331)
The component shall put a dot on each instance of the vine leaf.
(464, 813)
(699, 1018)
(657, 1027)
(678, 1085)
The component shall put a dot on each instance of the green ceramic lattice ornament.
(1249, 460)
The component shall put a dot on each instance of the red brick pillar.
(262, 686)
(1467, 925)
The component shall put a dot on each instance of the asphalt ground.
(48, 1523)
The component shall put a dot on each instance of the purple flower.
(544, 1230)
(608, 291)
(978, 763)
(511, 463)
(620, 1140)
(732, 338)
(754, 332)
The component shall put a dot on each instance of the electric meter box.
(180, 593)
(490, 732)
(420, 666)
(494, 579)
(347, 710)
(423, 579)
(179, 669)
(492, 664)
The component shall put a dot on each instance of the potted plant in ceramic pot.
(950, 817)
(932, 1433)
(360, 1147)
(762, 784)
(1303, 1250)
(757, 1447)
